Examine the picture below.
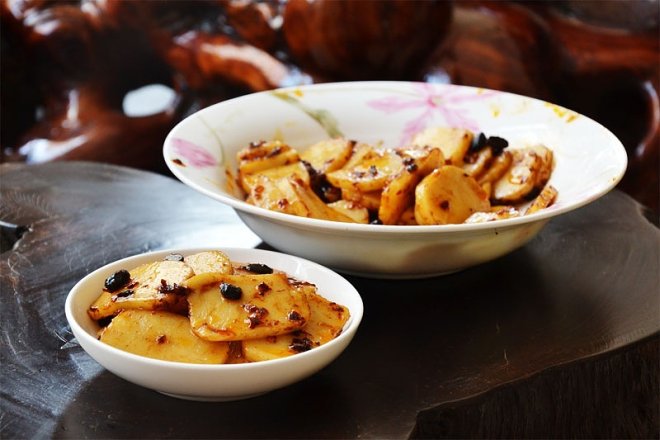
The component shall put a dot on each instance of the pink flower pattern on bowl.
(430, 100)
(193, 154)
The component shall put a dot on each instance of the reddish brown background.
(66, 66)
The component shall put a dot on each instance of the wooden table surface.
(557, 339)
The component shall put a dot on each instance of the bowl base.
(210, 398)
(394, 276)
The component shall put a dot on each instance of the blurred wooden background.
(76, 75)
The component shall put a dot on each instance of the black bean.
(258, 268)
(230, 291)
(478, 143)
(498, 144)
(117, 280)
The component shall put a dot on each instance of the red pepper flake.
(444, 204)
(294, 316)
(299, 345)
(336, 307)
(263, 288)
(274, 152)
(122, 294)
(470, 158)
(161, 339)
(255, 315)
(174, 288)
(282, 203)
(179, 162)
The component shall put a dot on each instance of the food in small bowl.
(212, 324)
(586, 162)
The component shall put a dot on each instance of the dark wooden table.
(558, 339)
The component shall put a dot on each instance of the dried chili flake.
(263, 288)
(294, 316)
(255, 315)
(299, 345)
(174, 288)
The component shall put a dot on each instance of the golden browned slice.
(547, 159)
(248, 181)
(448, 195)
(162, 335)
(496, 168)
(476, 164)
(408, 217)
(529, 171)
(327, 319)
(488, 188)
(152, 286)
(316, 207)
(399, 194)
(264, 155)
(238, 307)
(277, 195)
(369, 172)
(453, 142)
(545, 198)
(325, 323)
(354, 210)
(328, 155)
(495, 213)
(209, 261)
(370, 200)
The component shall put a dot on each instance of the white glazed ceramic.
(201, 151)
(214, 382)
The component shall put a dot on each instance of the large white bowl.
(590, 161)
(214, 382)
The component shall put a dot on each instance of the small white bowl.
(214, 382)
(589, 161)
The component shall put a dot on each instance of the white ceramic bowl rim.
(354, 319)
(313, 223)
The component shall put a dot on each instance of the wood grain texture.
(612, 396)
(585, 287)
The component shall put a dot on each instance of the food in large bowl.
(586, 161)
